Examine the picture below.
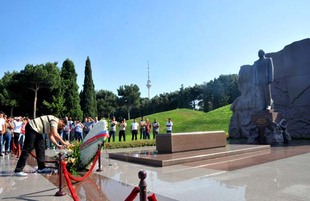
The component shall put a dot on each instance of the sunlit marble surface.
(282, 174)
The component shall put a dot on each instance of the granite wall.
(290, 92)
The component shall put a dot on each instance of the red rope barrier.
(47, 161)
(133, 194)
(69, 176)
(88, 173)
(65, 171)
(15, 150)
(152, 197)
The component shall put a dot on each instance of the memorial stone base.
(263, 120)
(178, 142)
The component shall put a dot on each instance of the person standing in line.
(88, 125)
(112, 131)
(72, 129)
(134, 129)
(18, 123)
(155, 126)
(7, 136)
(95, 122)
(2, 131)
(23, 132)
(142, 128)
(34, 139)
(66, 131)
(169, 125)
(147, 129)
(78, 134)
(122, 130)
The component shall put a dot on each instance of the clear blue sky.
(185, 41)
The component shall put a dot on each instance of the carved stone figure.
(263, 77)
(244, 105)
(290, 92)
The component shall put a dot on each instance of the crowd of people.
(145, 128)
(19, 135)
(12, 131)
(12, 134)
(76, 130)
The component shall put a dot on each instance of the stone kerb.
(178, 142)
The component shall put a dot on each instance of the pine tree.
(88, 95)
(72, 107)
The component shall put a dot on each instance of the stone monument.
(278, 92)
(263, 77)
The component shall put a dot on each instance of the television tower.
(148, 83)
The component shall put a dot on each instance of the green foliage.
(129, 97)
(7, 95)
(220, 92)
(73, 158)
(88, 95)
(41, 77)
(106, 103)
(128, 144)
(186, 120)
(53, 97)
(56, 92)
(72, 107)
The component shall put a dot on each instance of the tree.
(230, 84)
(72, 107)
(183, 98)
(52, 97)
(106, 103)
(39, 77)
(88, 95)
(129, 97)
(7, 96)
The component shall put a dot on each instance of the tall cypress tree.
(88, 95)
(72, 107)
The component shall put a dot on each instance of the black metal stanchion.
(142, 185)
(99, 159)
(60, 192)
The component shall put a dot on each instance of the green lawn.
(186, 120)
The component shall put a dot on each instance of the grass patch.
(184, 120)
(129, 144)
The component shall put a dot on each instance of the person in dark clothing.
(34, 139)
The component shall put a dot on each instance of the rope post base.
(60, 192)
(99, 159)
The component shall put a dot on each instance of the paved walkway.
(282, 175)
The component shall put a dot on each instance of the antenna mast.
(148, 83)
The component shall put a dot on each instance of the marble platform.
(282, 174)
(153, 158)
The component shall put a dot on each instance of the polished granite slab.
(180, 142)
(282, 174)
(153, 158)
